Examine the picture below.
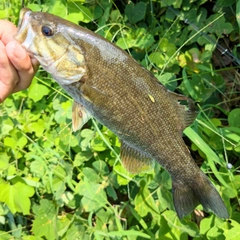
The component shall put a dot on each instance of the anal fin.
(79, 116)
(135, 161)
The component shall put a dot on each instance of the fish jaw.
(56, 54)
(25, 35)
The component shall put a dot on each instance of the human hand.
(16, 67)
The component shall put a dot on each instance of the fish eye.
(47, 31)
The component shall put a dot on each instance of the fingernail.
(18, 51)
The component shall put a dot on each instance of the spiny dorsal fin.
(187, 116)
(135, 161)
(79, 116)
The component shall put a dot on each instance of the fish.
(106, 83)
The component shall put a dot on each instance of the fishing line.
(222, 50)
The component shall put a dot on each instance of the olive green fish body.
(138, 109)
(108, 84)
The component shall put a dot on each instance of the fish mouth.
(23, 25)
(22, 13)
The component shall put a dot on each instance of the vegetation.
(55, 184)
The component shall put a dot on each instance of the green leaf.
(184, 226)
(45, 223)
(139, 38)
(111, 192)
(64, 224)
(82, 157)
(104, 217)
(91, 174)
(88, 135)
(64, 111)
(224, 3)
(4, 161)
(234, 118)
(128, 233)
(123, 176)
(163, 54)
(58, 181)
(38, 127)
(135, 12)
(231, 232)
(44, 226)
(83, 14)
(101, 167)
(9, 142)
(7, 126)
(94, 196)
(78, 230)
(168, 80)
(238, 14)
(38, 167)
(4, 235)
(144, 202)
(98, 145)
(199, 86)
(37, 91)
(58, 8)
(165, 198)
(45, 207)
(16, 196)
(22, 142)
(220, 26)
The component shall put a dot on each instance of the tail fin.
(187, 196)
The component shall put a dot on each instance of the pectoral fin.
(92, 94)
(135, 161)
(79, 116)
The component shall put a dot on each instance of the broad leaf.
(16, 196)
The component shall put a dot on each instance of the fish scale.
(108, 84)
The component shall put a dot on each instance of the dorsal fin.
(135, 161)
(79, 116)
(186, 115)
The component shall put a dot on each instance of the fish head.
(51, 40)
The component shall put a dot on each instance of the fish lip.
(23, 20)
(23, 16)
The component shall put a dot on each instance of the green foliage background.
(55, 184)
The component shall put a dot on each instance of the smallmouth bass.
(108, 84)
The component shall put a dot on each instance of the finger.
(7, 30)
(25, 66)
(8, 75)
